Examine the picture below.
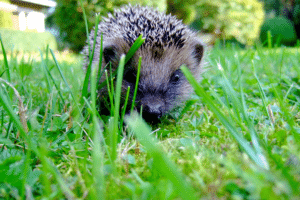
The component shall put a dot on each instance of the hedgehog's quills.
(168, 45)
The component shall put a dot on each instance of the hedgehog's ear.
(109, 53)
(198, 51)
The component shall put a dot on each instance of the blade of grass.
(287, 116)
(97, 155)
(8, 108)
(91, 56)
(18, 124)
(48, 115)
(230, 127)
(137, 43)
(230, 93)
(49, 74)
(46, 77)
(162, 164)
(102, 138)
(100, 71)
(64, 79)
(49, 167)
(5, 61)
(263, 97)
(110, 94)
(112, 78)
(85, 23)
(243, 109)
(269, 37)
(115, 133)
(288, 92)
(125, 106)
(136, 83)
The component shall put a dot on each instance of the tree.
(68, 19)
(231, 19)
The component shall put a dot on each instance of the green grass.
(239, 138)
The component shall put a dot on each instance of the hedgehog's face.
(162, 85)
(156, 98)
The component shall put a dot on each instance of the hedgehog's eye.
(176, 76)
(130, 75)
(109, 53)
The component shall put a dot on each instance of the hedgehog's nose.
(152, 109)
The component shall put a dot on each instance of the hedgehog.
(168, 45)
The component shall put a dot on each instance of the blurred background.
(27, 25)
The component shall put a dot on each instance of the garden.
(238, 137)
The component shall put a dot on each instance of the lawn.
(238, 138)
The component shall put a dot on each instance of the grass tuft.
(238, 138)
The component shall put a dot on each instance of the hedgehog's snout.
(153, 108)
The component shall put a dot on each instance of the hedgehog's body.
(168, 45)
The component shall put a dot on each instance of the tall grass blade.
(110, 93)
(97, 155)
(136, 83)
(5, 61)
(85, 23)
(231, 128)
(91, 57)
(49, 167)
(8, 108)
(125, 106)
(287, 115)
(117, 100)
(269, 37)
(100, 71)
(50, 75)
(162, 164)
(98, 159)
(13, 116)
(254, 137)
(263, 97)
(136, 45)
(65, 81)
(231, 94)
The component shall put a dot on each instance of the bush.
(289, 9)
(68, 19)
(296, 19)
(184, 10)
(5, 19)
(281, 29)
(26, 41)
(229, 19)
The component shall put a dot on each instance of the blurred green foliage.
(289, 9)
(23, 41)
(282, 31)
(184, 10)
(68, 18)
(230, 19)
(5, 19)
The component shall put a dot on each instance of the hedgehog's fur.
(168, 45)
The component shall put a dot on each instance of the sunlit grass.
(238, 137)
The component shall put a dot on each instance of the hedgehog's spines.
(131, 21)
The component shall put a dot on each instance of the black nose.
(152, 112)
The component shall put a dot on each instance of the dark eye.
(176, 76)
(130, 75)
